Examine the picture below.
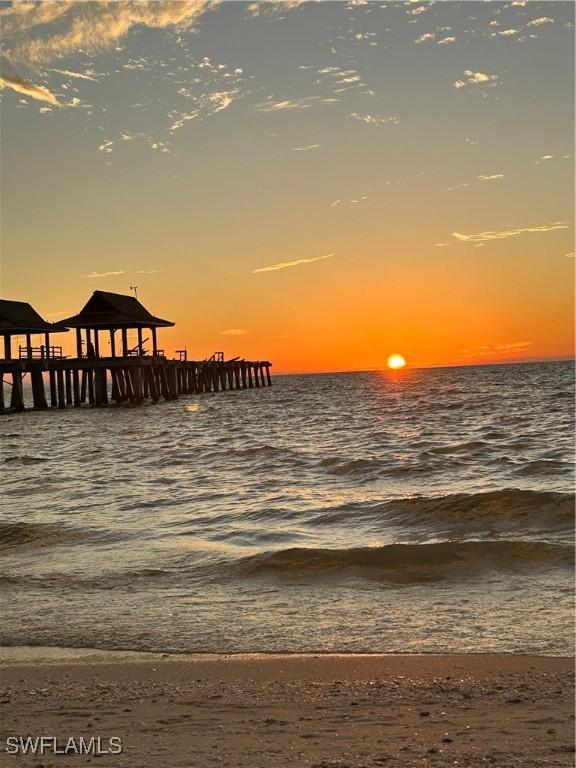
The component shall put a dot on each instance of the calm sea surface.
(427, 510)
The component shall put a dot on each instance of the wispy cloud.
(419, 10)
(287, 104)
(354, 200)
(481, 237)
(109, 145)
(540, 21)
(476, 78)
(279, 106)
(366, 36)
(496, 349)
(20, 17)
(287, 264)
(234, 332)
(35, 34)
(512, 345)
(490, 177)
(84, 26)
(307, 147)
(206, 104)
(88, 75)
(222, 99)
(482, 177)
(506, 33)
(114, 273)
(278, 6)
(375, 119)
(340, 80)
(94, 275)
(27, 88)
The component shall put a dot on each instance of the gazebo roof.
(18, 317)
(114, 310)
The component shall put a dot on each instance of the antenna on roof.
(135, 289)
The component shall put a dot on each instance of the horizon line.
(542, 360)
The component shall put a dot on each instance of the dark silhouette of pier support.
(62, 383)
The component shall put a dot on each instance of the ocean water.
(421, 511)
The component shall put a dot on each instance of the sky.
(319, 184)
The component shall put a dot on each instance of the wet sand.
(283, 711)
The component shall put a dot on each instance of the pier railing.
(39, 353)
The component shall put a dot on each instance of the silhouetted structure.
(113, 312)
(96, 379)
(18, 318)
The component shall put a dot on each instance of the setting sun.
(396, 361)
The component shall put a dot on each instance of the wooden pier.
(72, 382)
(134, 376)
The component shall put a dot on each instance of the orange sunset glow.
(296, 207)
(287, 382)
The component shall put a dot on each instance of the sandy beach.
(323, 711)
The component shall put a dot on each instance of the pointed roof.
(17, 317)
(114, 310)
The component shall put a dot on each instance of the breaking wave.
(410, 562)
(512, 507)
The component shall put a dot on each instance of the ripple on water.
(428, 511)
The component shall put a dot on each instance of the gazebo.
(111, 312)
(18, 318)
